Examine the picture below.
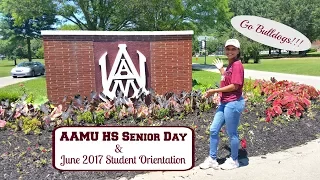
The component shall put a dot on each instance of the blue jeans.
(228, 114)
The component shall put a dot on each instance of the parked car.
(27, 69)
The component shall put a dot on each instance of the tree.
(249, 49)
(252, 7)
(264, 9)
(302, 15)
(11, 46)
(195, 45)
(27, 18)
(99, 15)
(213, 45)
(152, 15)
(69, 27)
(182, 14)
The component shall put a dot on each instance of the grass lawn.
(7, 65)
(318, 52)
(303, 66)
(205, 79)
(209, 59)
(36, 87)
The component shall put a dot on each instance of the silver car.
(25, 69)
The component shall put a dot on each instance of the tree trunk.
(29, 49)
(269, 51)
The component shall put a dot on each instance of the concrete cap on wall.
(110, 33)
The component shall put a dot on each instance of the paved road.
(295, 164)
(309, 80)
(6, 81)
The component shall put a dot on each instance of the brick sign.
(78, 62)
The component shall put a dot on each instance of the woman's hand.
(218, 63)
(208, 93)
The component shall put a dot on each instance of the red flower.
(243, 143)
(44, 150)
(29, 148)
(2, 123)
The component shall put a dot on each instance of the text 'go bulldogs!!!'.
(126, 136)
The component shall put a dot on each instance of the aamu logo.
(123, 70)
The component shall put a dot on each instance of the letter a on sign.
(123, 69)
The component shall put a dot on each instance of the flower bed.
(26, 138)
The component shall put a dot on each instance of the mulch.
(29, 156)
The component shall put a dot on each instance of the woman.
(230, 107)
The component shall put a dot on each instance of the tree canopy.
(150, 15)
(27, 18)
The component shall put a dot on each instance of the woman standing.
(230, 108)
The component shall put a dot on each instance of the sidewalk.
(297, 163)
(309, 80)
(6, 81)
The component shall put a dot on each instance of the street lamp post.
(203, 46)
(205, 50)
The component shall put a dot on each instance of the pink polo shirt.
(234, 74)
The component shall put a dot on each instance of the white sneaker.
(209, 163)
(230, 164)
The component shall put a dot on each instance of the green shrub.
(99, 117)
(249, 49)
(85, 116)
(27, 124)
(203, 87)
(252, 92)
(162, 113)
(311, 50)
(11, 96)
(40, 53)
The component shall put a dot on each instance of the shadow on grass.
(26, 77)
(8, 65)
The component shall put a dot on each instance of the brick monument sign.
(79, 62)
